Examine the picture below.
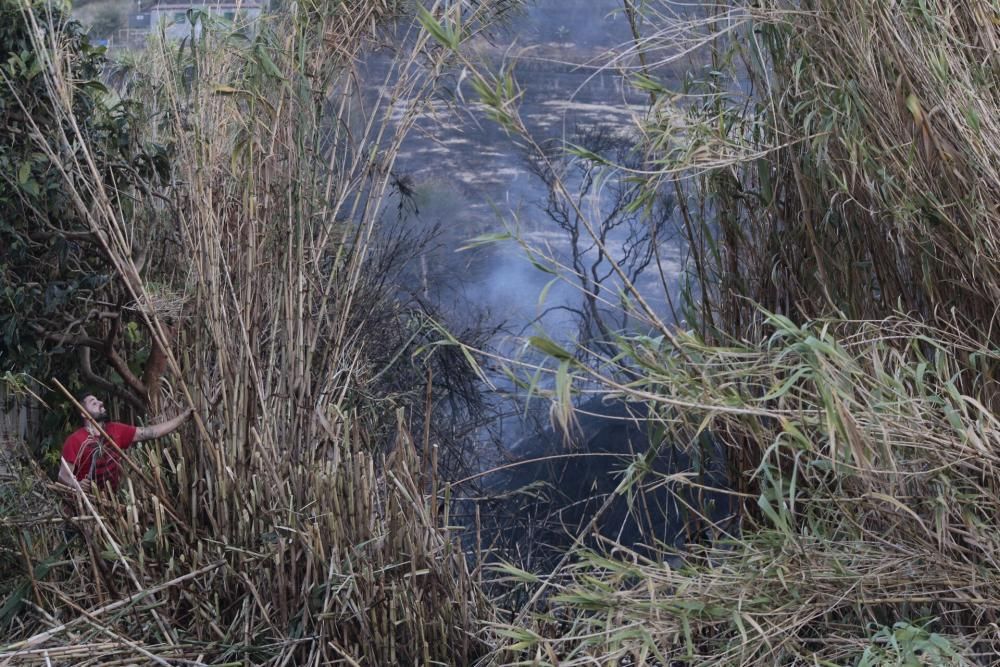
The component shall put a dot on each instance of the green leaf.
(546, 346)
(485, 239)
(779, 521)
(443, 34)
(264, 60)
(783, 388)
(545, 291)
(764, 178)
(585, 154)
(516, 573)
(95, 86)
(14, 602)
(648, 83)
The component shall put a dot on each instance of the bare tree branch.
(87, 371)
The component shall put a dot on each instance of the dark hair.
(80, 396)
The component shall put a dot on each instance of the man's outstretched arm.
(159, 430)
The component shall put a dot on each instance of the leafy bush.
(64, 308)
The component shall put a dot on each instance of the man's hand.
(66, 477)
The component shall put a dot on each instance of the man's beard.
(102, 417)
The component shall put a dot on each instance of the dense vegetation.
(837, 202)
(64, 313)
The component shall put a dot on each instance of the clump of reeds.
(868, 535)
(293, 521)
(847, 161)
(834, 166)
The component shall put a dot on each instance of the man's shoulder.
(117, 426)
(78, 434)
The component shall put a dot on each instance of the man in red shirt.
(91, 459)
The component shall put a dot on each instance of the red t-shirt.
(80, 448)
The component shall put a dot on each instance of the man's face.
(95, 408)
